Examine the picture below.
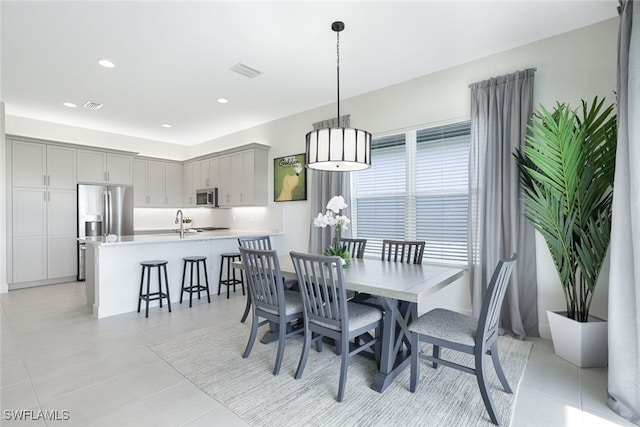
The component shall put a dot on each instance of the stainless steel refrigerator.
(103, 210)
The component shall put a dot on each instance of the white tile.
(181, 404)
(13, 373)
(534, 409)
(152, 378)
(92, 403)
(135, 414)
(18, 396)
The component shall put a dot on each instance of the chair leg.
(484, 392)
(436, 354)
(344, 364)
(415, 362)
(228, 273)
(198, 277)
(498, 367)
(252, 336)
(305, 352)
(247, 307)
(282, 336)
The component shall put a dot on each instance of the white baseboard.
(4, 288)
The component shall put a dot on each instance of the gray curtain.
(500, 111)
(325, 185)
(624, 277)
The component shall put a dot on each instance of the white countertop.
(173, 237)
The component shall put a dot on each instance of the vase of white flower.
(332, 219)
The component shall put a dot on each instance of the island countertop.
(172, 237)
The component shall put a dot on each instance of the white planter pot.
(582, 343)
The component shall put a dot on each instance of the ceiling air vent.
(245, 70)
(92, 105)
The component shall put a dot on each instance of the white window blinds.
(416, 189)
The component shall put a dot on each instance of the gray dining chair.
(354, 246)
(253, 242)
(406, 251)
(327, 313)
(270, 300)
(455, 331)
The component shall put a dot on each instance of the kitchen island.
(113, 267)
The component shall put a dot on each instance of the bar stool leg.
(166, 284)
(233, 274)
(220, 279)
(206, 279)
(140, 293)
(160, 285)
(190, 283)
(146, 313)
(198, 271)
(184, 272)
(228, 271)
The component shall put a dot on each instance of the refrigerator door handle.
(107, 212)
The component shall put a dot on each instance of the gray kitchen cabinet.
(157, 183)
(243, 178)
(39, 165)
(173, 184)
(103, 167)
(188, 186)
(43, 209)
(42, 217)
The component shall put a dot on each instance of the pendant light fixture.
(338, 149)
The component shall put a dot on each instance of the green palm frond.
(566, 173)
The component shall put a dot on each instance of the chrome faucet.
(179, 214)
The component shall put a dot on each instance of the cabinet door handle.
(108, 176)
(105, 177)
(166, 200)
(44, 180)
(48, 179)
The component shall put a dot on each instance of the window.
(416, 189)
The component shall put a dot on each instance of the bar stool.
(152, 296)
(197, 288)
(231, 279)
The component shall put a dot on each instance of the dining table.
(398, 288)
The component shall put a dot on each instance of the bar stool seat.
(230, 279)
(152, 296)
(191, 260)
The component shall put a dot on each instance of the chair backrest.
(321, 284)
(255, 242)
(492, 303)
(355, 246)
(264, 279)
(403, 251)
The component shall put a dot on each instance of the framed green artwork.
(289, 178)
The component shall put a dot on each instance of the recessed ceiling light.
(106, 63)
(222, 100)
(166, 125)
(69, 104)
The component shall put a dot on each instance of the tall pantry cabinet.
(43, 196)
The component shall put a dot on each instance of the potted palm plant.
(566, 171)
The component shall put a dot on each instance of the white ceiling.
(173, 58)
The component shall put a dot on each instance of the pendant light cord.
(338, 72)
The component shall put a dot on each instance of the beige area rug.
(211, 359)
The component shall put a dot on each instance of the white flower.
(298, 169)
(336, 203)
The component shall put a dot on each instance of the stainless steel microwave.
(207, 197)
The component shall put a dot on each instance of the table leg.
(396, 343)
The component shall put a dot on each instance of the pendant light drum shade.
(338, 149)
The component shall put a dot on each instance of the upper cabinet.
(104, 167)
(157, 183)
(39, 165)
(243, 178)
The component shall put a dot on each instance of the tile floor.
(57, 357)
